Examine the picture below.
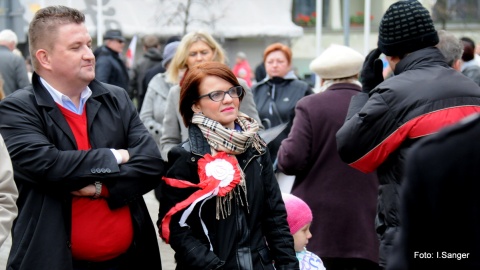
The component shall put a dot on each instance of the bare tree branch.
(179, 13)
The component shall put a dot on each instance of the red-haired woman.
(221, 206)
(276, 96)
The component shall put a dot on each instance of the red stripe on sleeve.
(420, 126)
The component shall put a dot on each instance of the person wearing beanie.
(390, 116)
(299, 218)
(405, 27)
(343, 197)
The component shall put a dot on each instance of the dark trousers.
(113, 264)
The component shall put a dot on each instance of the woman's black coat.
(240, 240)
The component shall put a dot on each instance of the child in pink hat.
(299, 217)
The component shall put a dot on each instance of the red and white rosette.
(218, 175)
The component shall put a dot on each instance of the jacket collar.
(278, 80)
(430, 56)
(345, 86)
(160, 85)
(44, 99)
(198, 144)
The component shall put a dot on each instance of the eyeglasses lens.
(234, 92)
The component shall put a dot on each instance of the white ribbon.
(189, 210)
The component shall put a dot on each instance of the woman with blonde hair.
(194, 48)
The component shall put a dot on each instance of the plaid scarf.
(228, 140)
(234, 142)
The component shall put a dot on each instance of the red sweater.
(98, 233)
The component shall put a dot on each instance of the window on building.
(456, 11)
(304, 12)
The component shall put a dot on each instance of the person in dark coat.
(151, 56)
(439, 202)
(109, 67)
(276, 96)
(260, 72)
(342, 199)
(221, 206)
(391, 115)
(82, 159)
(157, 68)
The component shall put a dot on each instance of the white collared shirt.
(65, 101)
(68, 104)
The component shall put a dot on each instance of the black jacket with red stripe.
(424, 96)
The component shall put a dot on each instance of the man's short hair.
(44, 27)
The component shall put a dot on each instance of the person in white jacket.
(8, 193)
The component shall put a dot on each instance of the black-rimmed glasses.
(219, 95)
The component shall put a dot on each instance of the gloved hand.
(372, 71)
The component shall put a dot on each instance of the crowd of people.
(384, 166)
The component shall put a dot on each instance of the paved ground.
(168, 262)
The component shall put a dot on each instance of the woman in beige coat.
(8, 193)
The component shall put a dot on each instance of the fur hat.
(298, 212)
(406, 27)
(337, 61)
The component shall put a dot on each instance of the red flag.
(131, 51)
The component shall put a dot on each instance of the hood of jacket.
(153, 54)
(277, 80)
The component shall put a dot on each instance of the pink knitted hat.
(298, 212)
